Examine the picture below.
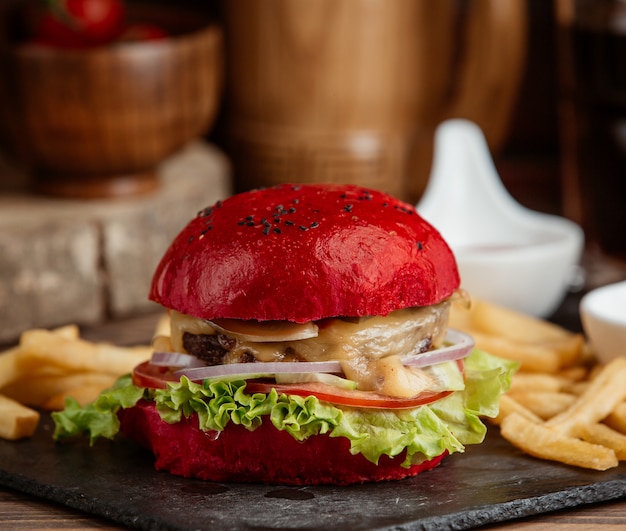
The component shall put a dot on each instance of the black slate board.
(492, 482)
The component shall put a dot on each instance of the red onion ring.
(175, 359)
(460, 347)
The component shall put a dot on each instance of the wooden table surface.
(22, 511)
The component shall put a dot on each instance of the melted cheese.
(369, 349)
(181, 323)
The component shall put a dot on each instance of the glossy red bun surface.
(302, 253)
(265, 455)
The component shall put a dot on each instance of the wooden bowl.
(95, 123)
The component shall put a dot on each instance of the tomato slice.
(153, 376)
(346, 397)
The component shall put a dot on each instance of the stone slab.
(491, 482)
(86, 262)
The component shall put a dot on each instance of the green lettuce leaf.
(98, 419)
(424, 432)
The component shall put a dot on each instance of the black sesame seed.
(292, 210)
(348, 208)
(420, 245)
(277, 230)
(266, 230)
(314, 224)
(289, 222)
(241, 223)
(250, 223)
(302, 227)
(249, 217)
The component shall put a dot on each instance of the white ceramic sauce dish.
(603, 316)
(507, 253)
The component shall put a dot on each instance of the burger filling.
(370, 349)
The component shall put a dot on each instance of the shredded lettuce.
(424, 432)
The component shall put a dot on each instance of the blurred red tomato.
(79, 23)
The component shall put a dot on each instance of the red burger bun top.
(302, 253)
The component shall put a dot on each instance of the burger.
(308, 344)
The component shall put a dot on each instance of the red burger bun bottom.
(265, 455)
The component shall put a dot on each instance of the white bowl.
(507, 253)
(603, 316)
(531, 274)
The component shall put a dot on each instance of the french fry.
(545, 404)
(540, 441)
(561, 405)
(499, 321)
(602, 395)
(518, 336)
(509, 405)
(573, 375)
(49, 365)
(569, 348)
(532, 358)
(588, 356)
(532, 381)
(601, 434)
(10, 369)
(36, 390)
(578, 388)
(84, 395)
(16, 420)
(41, 346)
(70, 331)
(617, 418)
